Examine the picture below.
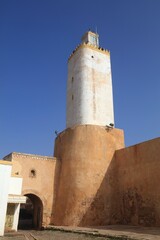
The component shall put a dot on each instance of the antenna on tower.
(97, 39)
(96, 29)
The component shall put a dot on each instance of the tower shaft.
(89, 87)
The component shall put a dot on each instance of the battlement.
(89, 45)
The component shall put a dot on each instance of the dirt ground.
(114, 232)
(51, 235)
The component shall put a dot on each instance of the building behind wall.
(10, 197)
(39, 183)
(92, 179)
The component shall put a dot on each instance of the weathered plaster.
(86, 185)
(89, 88)
(138, 172)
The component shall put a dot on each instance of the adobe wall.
(138, 171)
(43, 184)
(85, 194)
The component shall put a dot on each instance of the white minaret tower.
(89, 87)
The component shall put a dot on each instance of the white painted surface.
(16, 217)
(15, 189)
(5, 172)
(15, 185)
(16, 199)
(89, 88)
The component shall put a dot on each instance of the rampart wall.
(138, 174)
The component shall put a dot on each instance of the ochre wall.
(85, 194)
(94, 180)
(43, 184)
(138, 174)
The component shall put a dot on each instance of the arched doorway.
(31, 213)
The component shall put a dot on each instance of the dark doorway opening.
(31, 213)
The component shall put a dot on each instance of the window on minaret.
(93, 40)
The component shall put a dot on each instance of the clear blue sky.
(36, 39)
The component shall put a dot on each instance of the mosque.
(92, 179)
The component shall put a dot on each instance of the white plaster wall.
(89, 88)
(15, 188)
(5, 173)
(16, 217)
(15, 185)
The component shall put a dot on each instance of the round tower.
(89, 87)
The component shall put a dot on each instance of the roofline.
(27, 154)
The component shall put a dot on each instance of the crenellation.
(99, 49)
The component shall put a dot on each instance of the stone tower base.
(87, 182)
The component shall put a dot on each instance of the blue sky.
(36, 39)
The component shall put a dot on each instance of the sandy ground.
(119, 232)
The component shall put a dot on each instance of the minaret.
(89, 87)
(86, 180)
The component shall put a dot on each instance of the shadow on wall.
(138, 170)
(129, 193)
(55, 186)
(104, 209)
(105, 186)
(86, 180)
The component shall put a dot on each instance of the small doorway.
(31, 213)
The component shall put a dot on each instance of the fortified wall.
(138, 174)
(104, 183)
